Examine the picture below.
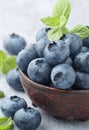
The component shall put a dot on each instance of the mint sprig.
(7, 63)
(6, 123)
(58, 21)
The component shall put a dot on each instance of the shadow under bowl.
(63, 104)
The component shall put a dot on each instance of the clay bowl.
(63, 104)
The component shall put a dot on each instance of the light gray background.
(23, 18)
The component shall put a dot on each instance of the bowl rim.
(43, 87)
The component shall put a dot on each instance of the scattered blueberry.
(69, 61)
(40, 46)
(25, 56)
(74, 42)
(13, 79)
(14, 44)
(86, 42)
(56, 52)
(39, 70)
(42, 34)
(82, 80)
(81, 62)
(63, 76)
(84, 49)
(10, 105)
(27, 119)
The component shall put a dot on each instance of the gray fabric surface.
(23, 17)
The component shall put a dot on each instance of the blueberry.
(86, 42)
(82, 80)
(39, 70)
(84, 49)
(13, 79)
(69, 61)
(27, 119)
(51, 85)
(14, 44)
(25, 56)
(56, 52)
(74, 42)
(40, 46)
(81, 62)
(11, 104)
(63, 76)
(42, 34)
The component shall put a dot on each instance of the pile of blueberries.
(25, 118)
(62, 64)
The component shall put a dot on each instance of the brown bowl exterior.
(65, 104)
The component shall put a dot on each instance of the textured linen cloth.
(23, 17)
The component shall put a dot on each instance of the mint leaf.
(6, 123)
(62, 7)
(81, 30)
(63, 20)
(65, 30)
(1, 94)
(54, 21)
(1, 66)
(6, 63)
(3, 56)
(56, 33)
(50, 21)
(3, 120)
(9, 64)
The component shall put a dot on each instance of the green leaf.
(1, 94)
(54, 21)
(1, 67)
(63, 20)
(6, 63)
(81, 30)
(6, 123)
(56, 33)
(50, 21)
(3, 56)
(65, 30)
(9, 64)
(62, 7)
